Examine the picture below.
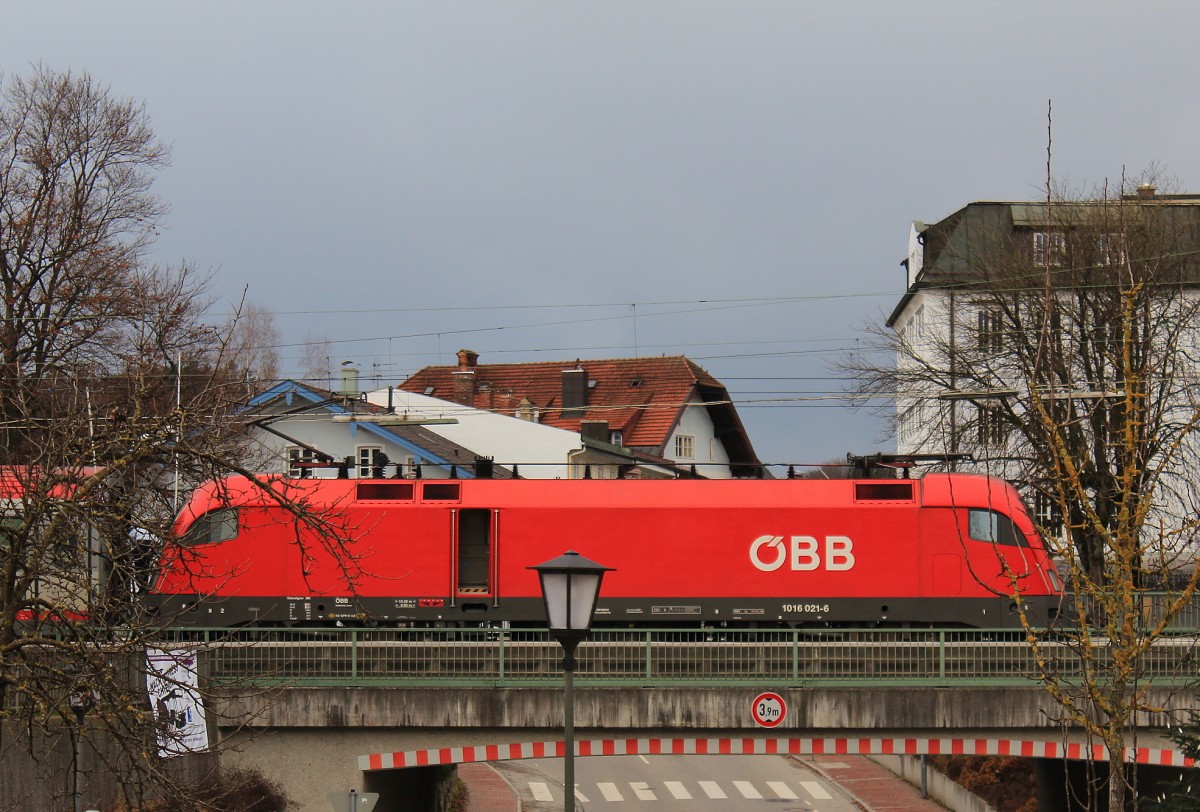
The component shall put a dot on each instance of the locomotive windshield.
(988, 525)
(214, 526)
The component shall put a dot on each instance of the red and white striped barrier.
(789, 746)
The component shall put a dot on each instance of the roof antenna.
(636, 352)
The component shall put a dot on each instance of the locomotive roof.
(932, 490)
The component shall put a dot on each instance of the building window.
(1048, 248)
(298, 459)
(993, 430)
(1047, 514)
(370, 458)
(914, 330)
(989, 332)
(908, 422)
(685, 447)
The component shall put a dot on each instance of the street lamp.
(570, 586)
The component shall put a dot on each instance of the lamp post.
(570, 586)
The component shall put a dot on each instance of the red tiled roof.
(642, 398)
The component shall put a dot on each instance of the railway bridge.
(356, 709)
(322, 739)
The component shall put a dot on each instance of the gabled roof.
(642, 398)
(299, 395)
(425, 445)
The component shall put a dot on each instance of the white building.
(304, 431)
(1007, 299)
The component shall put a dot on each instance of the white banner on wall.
(172, 685)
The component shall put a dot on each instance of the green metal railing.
(501, 658)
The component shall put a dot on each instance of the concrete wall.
(939, 787)
(842, 710)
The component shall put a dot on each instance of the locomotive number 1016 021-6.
(807, 608)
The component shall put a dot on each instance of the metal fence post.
(795, 654)
(649, 654)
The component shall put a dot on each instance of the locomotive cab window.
(214, 526)
(988, 525)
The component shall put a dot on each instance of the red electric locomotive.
(946, 549)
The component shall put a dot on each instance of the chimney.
(574, 392)
(1147, 191)
(349, 380)
(464, 378)
(464, 386)
(525, 411)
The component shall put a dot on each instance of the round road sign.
(768, 709)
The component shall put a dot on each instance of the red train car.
(946, 549)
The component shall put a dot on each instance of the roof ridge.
(562, 362)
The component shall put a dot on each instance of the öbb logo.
(768, 553)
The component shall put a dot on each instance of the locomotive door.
(475, 551)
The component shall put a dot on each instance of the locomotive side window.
(883, 491)
(214, 526)
(441, 491)
(385, 491)
(988, 525)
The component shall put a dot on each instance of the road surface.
(666, 783)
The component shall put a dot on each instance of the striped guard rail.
(788, 746)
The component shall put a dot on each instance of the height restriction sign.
(768, 709)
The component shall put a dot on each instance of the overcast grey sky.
(552, 180)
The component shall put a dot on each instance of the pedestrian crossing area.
(611, 792)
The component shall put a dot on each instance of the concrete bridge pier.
(312, 762)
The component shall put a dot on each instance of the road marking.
(610, 791)
(644, 759)
(783, 790)
(748, 790)
(643, 792)
(678, 790)
(816, 790)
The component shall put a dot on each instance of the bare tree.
(1057, 343)
(252, 355)
(115, 394)
(317, 364)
